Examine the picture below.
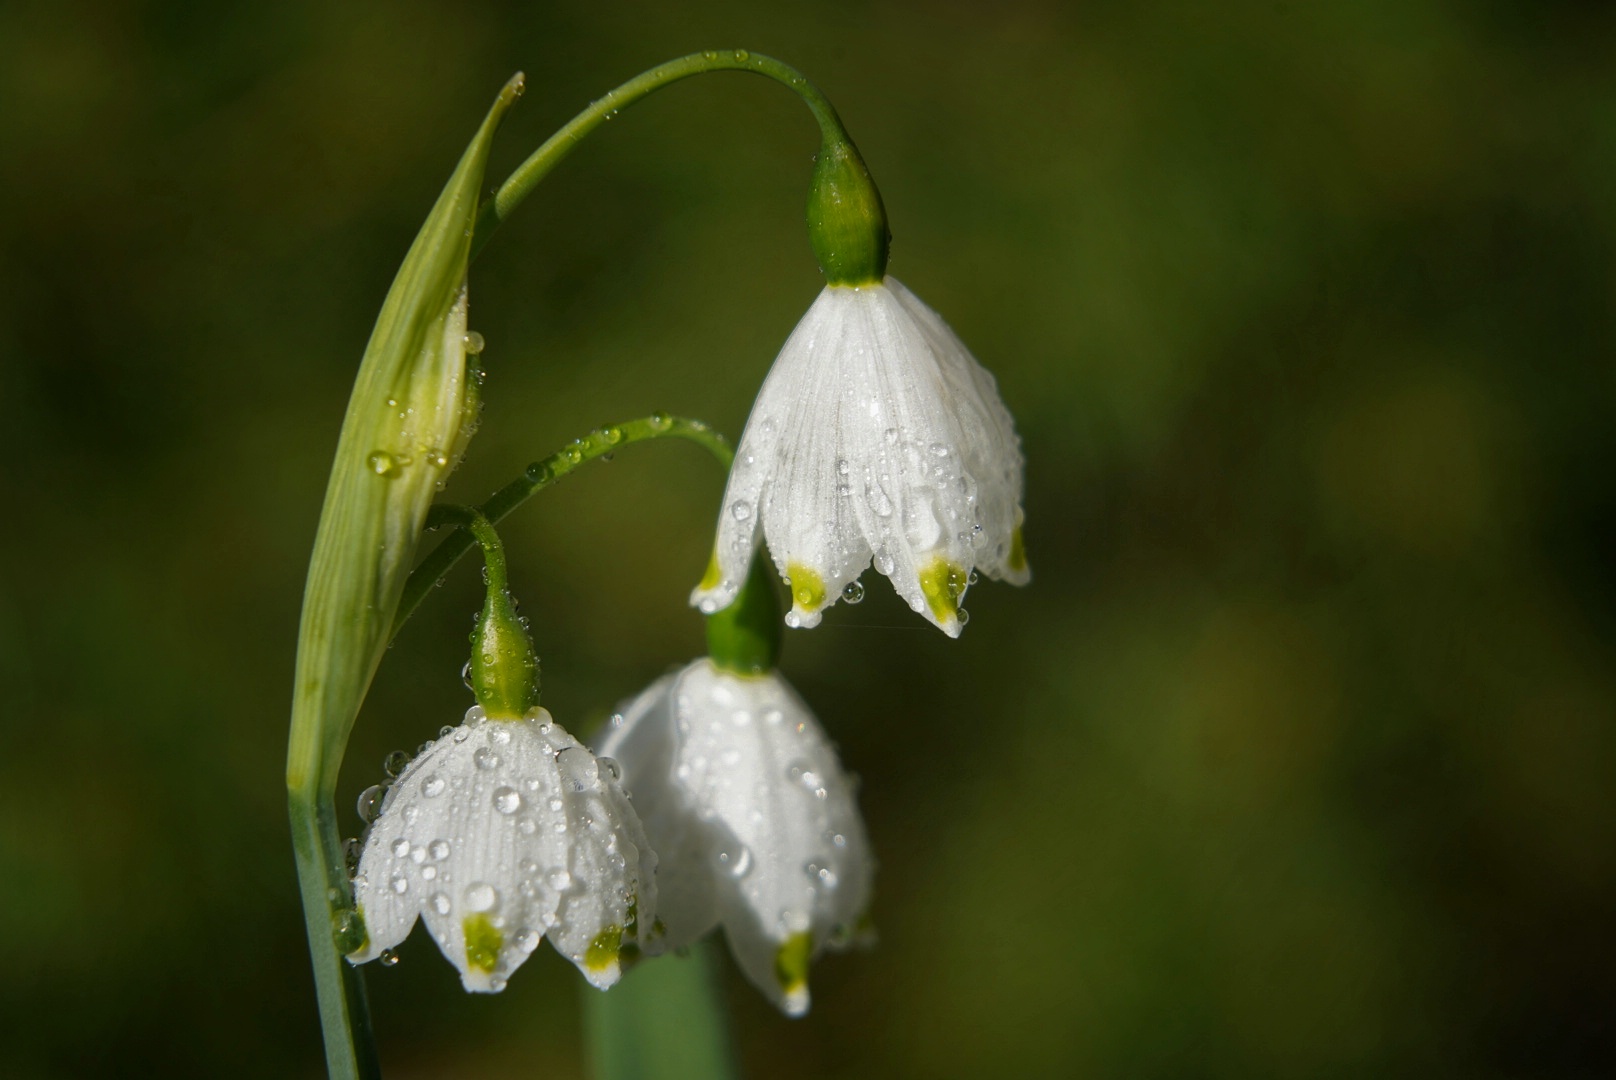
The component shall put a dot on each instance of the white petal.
(876, 436)
(643, 740)
(756, 824)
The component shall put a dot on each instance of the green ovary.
(791, 962)
(807, 587)
(602, 952)
(483, 941)
(943, 583)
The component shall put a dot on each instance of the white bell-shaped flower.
(500, 833)
(876, 437)
(754, 821)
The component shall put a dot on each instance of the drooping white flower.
(876, 437)
(754, 822)
(500, 833)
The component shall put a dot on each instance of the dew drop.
(438, 849)
(401, 848)
(474, 342)
(661, 421)
(381, 463)
(429, 872)
(735, 863)
(559, 880)
(481, 896)
(507, 800)
(399, 884)
(884, 562)
(441, 903)
(352, 849)
(610, 767)
(370, 803)
(388, 958)
(577, 767)
(852, 592)
(485, 758)
(740, 510)
(526, 941)
(433, 786)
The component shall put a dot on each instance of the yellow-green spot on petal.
(1017, 562)
(713, 576)
(603, 951)
(791, 963)
(483, 941)
(807, 587)
(943, 583)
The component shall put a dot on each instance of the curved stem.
(482, 531)
(538, 165)
(541, 474)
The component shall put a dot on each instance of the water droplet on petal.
(474, 342)
(852, 592)
(401, 848)
(399, 884)
(441, 904)
(735, 863)
(485, 758)
(370, 802)
(433, 786)
(559, 880)
(507, 800)
(388, 958)
(577, 767)
(481, 896)
(438, 849)
(395, 763)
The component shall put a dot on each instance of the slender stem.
(482, 531)
(541, 474)
(664, 1021)
(344, 1010)
(538, 165)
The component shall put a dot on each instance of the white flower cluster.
(876, 438)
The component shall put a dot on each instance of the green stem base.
(664, 1021)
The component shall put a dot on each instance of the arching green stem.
(541, 474)
(837, 151)
(504, 667)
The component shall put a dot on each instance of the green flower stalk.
(410, 413)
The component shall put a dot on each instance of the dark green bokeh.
(1297, 757)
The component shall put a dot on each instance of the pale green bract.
(407, 421)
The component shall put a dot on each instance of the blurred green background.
(1295, 760)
